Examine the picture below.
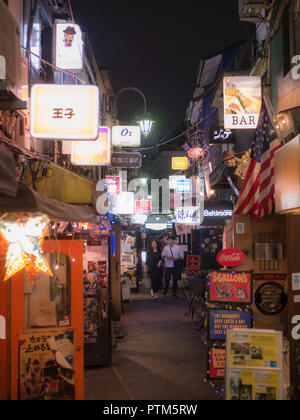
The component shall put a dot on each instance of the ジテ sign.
(231, 257)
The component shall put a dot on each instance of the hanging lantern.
(23, 236)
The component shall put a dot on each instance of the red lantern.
(195, 153)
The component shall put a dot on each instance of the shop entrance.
(46, 328)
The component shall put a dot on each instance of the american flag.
(257, 193)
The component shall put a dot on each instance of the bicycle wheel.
(198, 314)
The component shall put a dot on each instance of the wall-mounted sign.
(221, 136)
(218, 213)
(64, 112)
(188, 215)
(143, 206)
(113, 184)
(68, 46)
(2, 67)
(184, 186)
(270, 298)
(296, 282)
(126, 160)
(93, 153)
(216, 363)
(230, 257)
(269, 276)
(222, 320)
(180, 163)
(126, 136)
(242, 102)
(230, 287)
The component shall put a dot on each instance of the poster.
(217, 363)
(91, 319)
(222, 320)
(253, 385)
(90, 285)
(46, 365)
(253, 349)
(230, 287)
(242, 102)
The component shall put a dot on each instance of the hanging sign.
(126, 136)
(64, 112)
(195, 153)
(68, 46)
(124, 203)
(143, 206)
(113, 184)
(231, 257)
(93, 153)
(173, 181)
(188, 215)
(180, 163)
(242, 102)
(184, 186)
(221, 136)
(230, 287)
(126, 160)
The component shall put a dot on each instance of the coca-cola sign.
(231, 257)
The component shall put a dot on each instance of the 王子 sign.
(64, 112)
(242, 102)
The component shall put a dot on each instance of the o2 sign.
(126, 136)
(296, 329)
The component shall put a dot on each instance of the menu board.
(253, 365)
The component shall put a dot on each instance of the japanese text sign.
(184, 186)
(65, 112)
(126, 136)
(230, 287)
(93, 153)
(179, 163)
(242, 102)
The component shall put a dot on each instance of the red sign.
(195, 153)
(143, 206)
(217, 362)
(113, 185)
(225, 286)
(231, 257)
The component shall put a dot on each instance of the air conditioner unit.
(10, 45)
(254, 10)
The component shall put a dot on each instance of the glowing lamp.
(195, 153)
(23, 240)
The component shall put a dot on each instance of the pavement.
(160, 357)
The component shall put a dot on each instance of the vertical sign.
(68, 46)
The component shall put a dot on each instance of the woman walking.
(154, 268)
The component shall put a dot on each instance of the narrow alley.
(160, 358)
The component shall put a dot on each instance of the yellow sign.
(64, 112)
(180, 163)
(93, 153)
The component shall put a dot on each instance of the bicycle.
(196, 301)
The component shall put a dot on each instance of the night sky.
(156, 46)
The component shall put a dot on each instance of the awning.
(30, 201)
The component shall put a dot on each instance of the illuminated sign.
(143, 206)
(187, 215)
(180, 163)
(156, 226)
(126, 160)
(242, 102)
(93, 153)
(195, 153)
(218, 213)
(126, 136)
(221, 136)
(173, 181)
(64, 112)
(139, 219)
(184, 186)
(124, 203)
(113, 184)
(68, 46)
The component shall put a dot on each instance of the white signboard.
(242, 102)
(65, 112)
(126, 136)
(173, 180)
(2, 328)
(68, 46)
(2, 68)
(124, 203)
(188, 215)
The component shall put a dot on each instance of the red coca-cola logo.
(230, 257)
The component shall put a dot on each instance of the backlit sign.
(126, 136)
(184, 186)
(242, 102)
(187, 215)
(68, 46)
(143, 206)
(93, 153)
(64, 112)
(180, 163)
(113, 184)
(218, 213)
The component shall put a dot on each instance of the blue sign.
(184, 186)
(222, 320)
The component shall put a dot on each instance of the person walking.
(173, 255)
(154, 268)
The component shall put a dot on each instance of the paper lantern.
(24, 237)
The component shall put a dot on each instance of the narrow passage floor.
(161, 357)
